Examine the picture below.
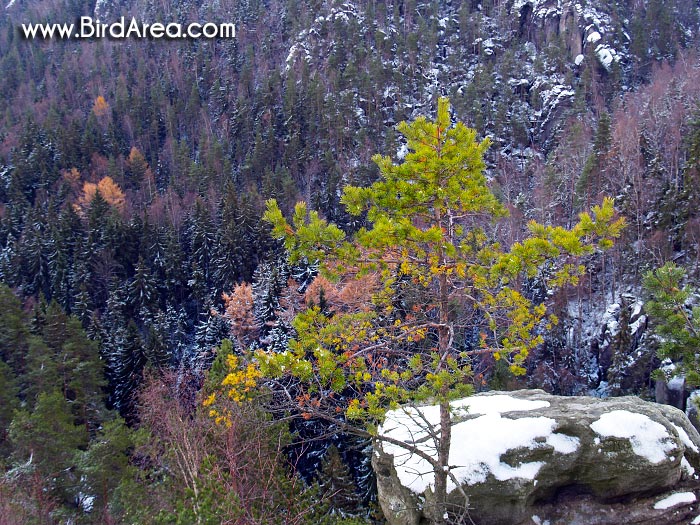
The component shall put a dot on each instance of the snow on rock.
(578, 60)
(687, 467)
(593, 37)
(696, 521)
(675, 499)
(497, 404)
(402, 151)
(685, 438)
(648, 438)
(483, 457)
(606, 55)
(510, 451)
(612, 313)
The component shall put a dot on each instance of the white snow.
(578, 60)
(696, 521)
(593, 37)
(563, 443)
(638, 324)
(402, 151)
(648, 438)
(499, 404)
(86, 501)
(687, 467)
(477, 443)
(677, 383)
(675, 499)
(10, 4)
(606, 55)
(685, 438)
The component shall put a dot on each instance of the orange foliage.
(141, 172)
(100, 107)
(136, 161)
(239, 312)
(350, 296)
(72, 177)
(109, 190)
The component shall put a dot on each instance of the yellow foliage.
(109, 190)
(100, 107)
(241, 382)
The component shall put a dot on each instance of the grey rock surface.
(628, 454)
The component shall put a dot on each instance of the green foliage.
(430, 217)
(49, 438)
(676, 321)
(425, 272)
(105, 463)
(8, 404)
(67, 452)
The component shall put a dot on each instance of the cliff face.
(511, 67)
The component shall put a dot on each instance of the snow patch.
(87, 501)
(648, 438)
(489, 436)
(675, 499)
(593, 37)
(10, 4)
(563, 444)
(402, 151)
(498, 404)
(696, 521)
(579, 60)
(639, 324)
(687, 467)
(606, 55)
(685, 438)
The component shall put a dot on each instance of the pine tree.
(61, 357)
(269, 279)
(211, 330)
(675, 320)
(426, 223)
(202, 240)
(34, 250)
(238, 246)
(156, 348)
(14, 335)
(104, 465)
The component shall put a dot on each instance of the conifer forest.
(223, 260)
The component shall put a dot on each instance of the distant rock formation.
(527, 457)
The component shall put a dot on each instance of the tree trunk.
(443, 446)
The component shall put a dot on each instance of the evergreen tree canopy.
(676, 320)
(428, 249)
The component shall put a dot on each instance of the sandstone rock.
(560, 459)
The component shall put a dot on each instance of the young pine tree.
(428, 237)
